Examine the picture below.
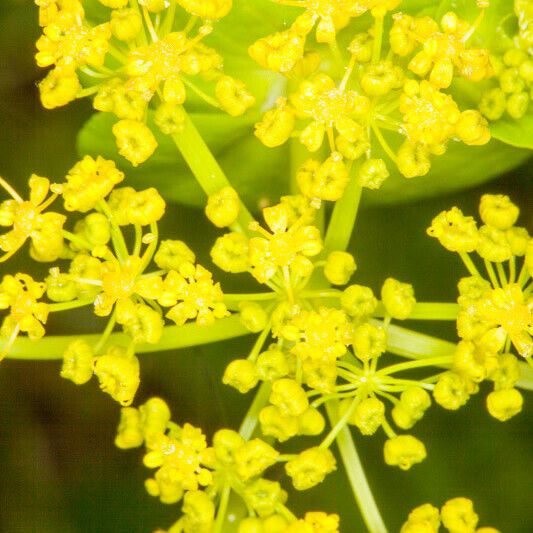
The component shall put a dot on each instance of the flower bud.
(174, 255)
(226, 442)
(451, 391)
(96, 229)
(170, 118)
(458, 515)
(372, 173)
(223, 207)
(404, 451)
(493, 245)
(339, 267)
(504, 404)
(277, 424)
(78, 362)
(264, 496)
(174, 91)
(198, 511)
(253, 457)
(359, 301)
(310, 467)
(493, 104)
(498, 211)
(126, 24)
(455, 231)
(311, 422)
(413, 160)
(276, 126)
(135, 141)
(58, 88)
(251, 525)
(398, 298)
(272, 365)
(253, 317)
(233, 96)
(275, 524)
(472, 128)
(118, 373)
(368, 415)
(61, 288)
(129, 432)
(517, 105)
(369, 341)
(289, 396)
(241, 375)
(422, 519)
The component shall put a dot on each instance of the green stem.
(343, 217)
(445, 360)
(65, 306)
(205, 167)
(222, 508)
(116, 234)
(249, 423)
(378, 37)
(414, 345)
(341, 423)
(173, 337)
(427, 311)
(257, 296)
(356, 475)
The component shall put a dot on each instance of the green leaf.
(257, 172)
(459, 168)
(514, 132)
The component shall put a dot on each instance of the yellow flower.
(89, 181)
(118, 373)
(193, 296)
(28, 221)
(289, 244)
(20, 294)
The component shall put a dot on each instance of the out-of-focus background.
(59, 469)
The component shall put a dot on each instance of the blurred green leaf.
(255, 171)
(514, 132)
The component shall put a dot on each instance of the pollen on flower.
(131, 61)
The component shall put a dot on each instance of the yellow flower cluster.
(353, 104)
(496, 309)
(514, 70)
(320, 352)
(134, 60)
(456, 516)
(190, 471)
(28, 222)
(103, 272)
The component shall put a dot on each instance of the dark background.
(59, 469)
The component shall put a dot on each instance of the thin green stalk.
(205, 167)
(427, 311)
(222, 508)
(249, 423)
(414, 345)
(173, 337)
(343, 217)
(356, 475)
(65, 306)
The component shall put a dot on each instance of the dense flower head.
(509, 95)
(135, 60)
(495, 309)
(356, 107)
(187, 470)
